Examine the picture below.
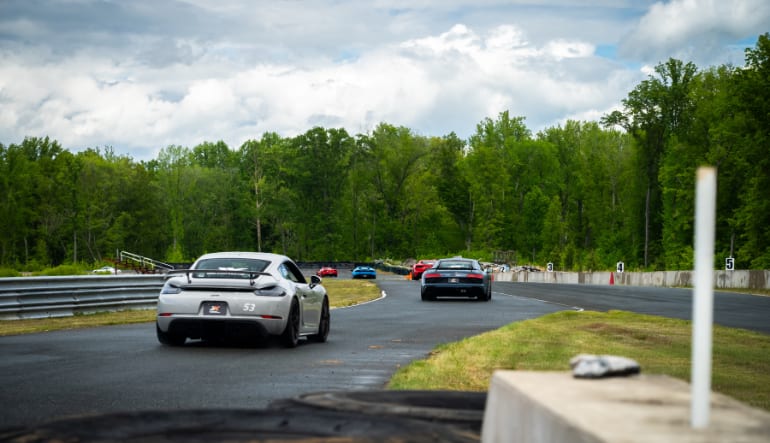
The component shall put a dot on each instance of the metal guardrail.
(40, 297)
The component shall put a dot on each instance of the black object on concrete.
(234, 426)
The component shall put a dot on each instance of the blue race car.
(364, 272)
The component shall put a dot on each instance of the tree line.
(582, 195)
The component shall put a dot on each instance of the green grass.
(342, 293)
(764, 292)
(32, 325)
(8, 272)
(740, 368)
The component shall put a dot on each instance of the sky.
(141, 75)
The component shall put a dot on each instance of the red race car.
(326, 271)
(420, 267)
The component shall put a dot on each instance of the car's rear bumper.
(453, 290)
(204, 328)
(267, 312)
(364, 275)
(197, 326)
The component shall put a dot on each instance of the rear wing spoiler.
(218, 273)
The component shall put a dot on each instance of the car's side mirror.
(315, 280)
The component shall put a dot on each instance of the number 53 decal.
(249, 307)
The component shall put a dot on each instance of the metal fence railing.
(39, 297)
(143, 264)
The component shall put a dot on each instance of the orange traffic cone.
(612, 278)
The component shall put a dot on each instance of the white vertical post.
(703, 297)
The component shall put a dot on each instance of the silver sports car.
(242, 295)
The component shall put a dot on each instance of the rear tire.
(169, 339)
(290, 335)
(324, 324)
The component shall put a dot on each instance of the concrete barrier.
(722, 279)
(547, 407)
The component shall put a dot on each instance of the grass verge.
(740, 368)
(33, 325)
(342, 293)
(763, 292)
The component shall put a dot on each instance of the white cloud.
(455, 75)
(185, 73)
(696, 30)
(565, 49)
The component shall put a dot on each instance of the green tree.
(751, 131)
(657, 110)
(488, 171)
(396, 161)
(17, 205)
(255, 156)
(178, 184)
(451, 184)
(47, 197)
(322, 162)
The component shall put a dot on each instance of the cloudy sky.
(139, 75)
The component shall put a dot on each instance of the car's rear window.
(233, 264)
(455, 264)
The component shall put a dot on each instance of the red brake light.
(481, 276)
(432, 275)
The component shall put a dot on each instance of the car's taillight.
(479, 276)
(270, 291)
(432, 275)
(169, 288)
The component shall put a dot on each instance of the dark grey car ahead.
(456, 277)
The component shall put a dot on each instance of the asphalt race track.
(123, 368)
(731, 309)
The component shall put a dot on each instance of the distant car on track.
(326, 271)
(242, 295)
(456, 277)
(364, 272)
(420, 267)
